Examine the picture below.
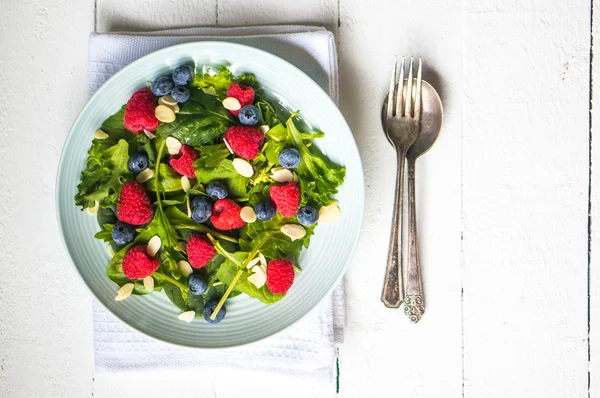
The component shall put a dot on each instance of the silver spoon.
(429, 130)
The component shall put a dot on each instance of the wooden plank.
(144, 15)
(525, 185)
(45, 327)
(383, 352)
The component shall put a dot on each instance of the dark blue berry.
(289, 158)
(197, 285)
(265, 210)
(209, 307)
(307, 215)
(249, 115)
(180, 94)
(201, 209)
(217, 190)
(162, 86)
(123, 233)
(183, 74)
(138, 162)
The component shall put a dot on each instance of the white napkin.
(306, 349)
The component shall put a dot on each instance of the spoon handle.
(414, 301)
(393, 285)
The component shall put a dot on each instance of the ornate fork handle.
(393, 285)
(414, 301)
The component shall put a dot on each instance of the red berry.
(200, 251)
(244, 141)
(138, 264)
(244, 94)
(134, 205)
(226, 215)
(183, 162)
(286, 198)
(139, 112)
(280, 276)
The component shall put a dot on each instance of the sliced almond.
(167, 100)
(149, 283)
(100, 135)
(189, 208)
(227, 145)
(294, 231)
(232, 104)
(149, 84)
(164, 114)
(284, 175)
(185, 184)
(145, 175)
(173, 145)
(149, 134)
(187, 316)
(154, 245)
(295, 176)
(110, 251)
(243, 167)
(262, 259)
(210, 91)
(185, 268)
(258, 278)
(264, 128)
(175, 108)
(329, 213)
(124, 291)
(247, 214)
(94, 210)
(253, 262)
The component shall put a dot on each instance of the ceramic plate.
(247, 319)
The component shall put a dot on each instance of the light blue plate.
(247, 319)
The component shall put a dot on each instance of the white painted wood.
(525, 184)
(45, 309)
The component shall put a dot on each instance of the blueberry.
(138, 162)
(180, 94)
(217, 190)
(209, 307)
(197, 285)
(123, 233)
(162, 86)
(201, 209)
(183, 74)
(289, 158)
(307, 215)
(249, 115)
(265, 210)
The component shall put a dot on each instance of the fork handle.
(393, 285)
(414, 300)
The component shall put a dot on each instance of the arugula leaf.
(268, 115)
(247, 79)
(106, 173)
(236, 184)
(219, 80)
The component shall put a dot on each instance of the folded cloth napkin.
(306, 349)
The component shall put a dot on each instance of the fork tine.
(390, 104)
(418, 92)
(408, 97)
(399, 90)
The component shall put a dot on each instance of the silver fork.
(403, 113)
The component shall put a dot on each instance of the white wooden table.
(508, 200)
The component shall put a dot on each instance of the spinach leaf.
(169, 181)
(194, 129)
(237, 184)
(219, 80)
(227, 272)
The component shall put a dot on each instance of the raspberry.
(226, 215)
(280, 276)
(139, 112)
(286, 198)
(138, 264)
(200, 251)
(183, 162)
(244, 94)
(134, 205)
(244, 141)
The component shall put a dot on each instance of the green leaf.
(226, 274)
(237, 184)
(219, 80)
(169, 181)
(195, 129)
(213, 155)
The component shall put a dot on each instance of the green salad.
(205, 189)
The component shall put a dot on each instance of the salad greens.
(201, 123)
